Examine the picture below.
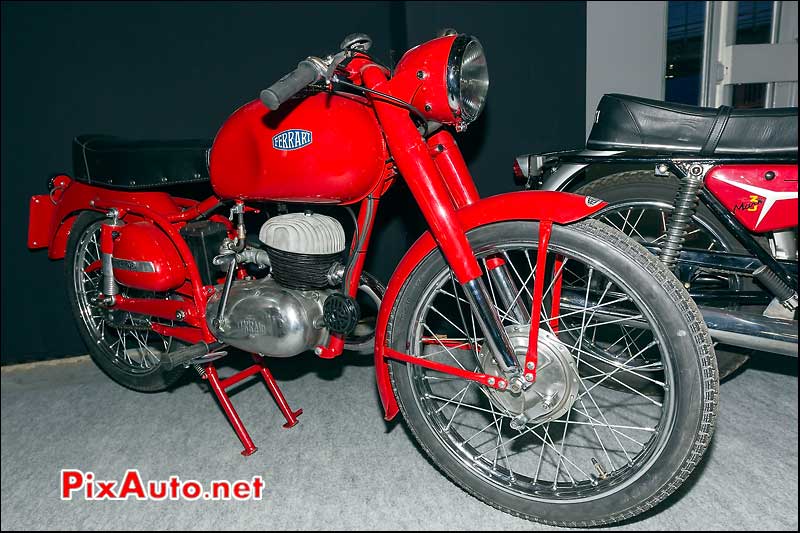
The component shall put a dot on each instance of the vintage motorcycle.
(508, 336)
(736, 252)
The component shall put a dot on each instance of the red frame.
(436, 174)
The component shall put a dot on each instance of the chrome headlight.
(467, 78)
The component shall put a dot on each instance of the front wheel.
(567, 451)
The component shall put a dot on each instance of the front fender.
(558, 207)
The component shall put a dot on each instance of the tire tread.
(702, 339)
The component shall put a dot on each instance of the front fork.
(514, 377)
(441, 184)
(509, 295)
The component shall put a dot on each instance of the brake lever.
(328, 65)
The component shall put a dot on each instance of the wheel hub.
(556, 386)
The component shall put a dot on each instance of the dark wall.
(536, 54)
(177, 70)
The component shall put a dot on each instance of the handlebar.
(294, 82)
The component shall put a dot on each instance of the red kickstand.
(291, 416)
(219, 386)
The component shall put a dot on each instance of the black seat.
(121, 163)
(625, 122)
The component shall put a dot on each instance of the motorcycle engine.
(282, 315)
(302, 247)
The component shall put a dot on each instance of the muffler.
(755, 332)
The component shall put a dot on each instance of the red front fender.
(558, 207)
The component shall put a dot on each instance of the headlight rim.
(453, 77)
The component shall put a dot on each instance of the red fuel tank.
(324, 148)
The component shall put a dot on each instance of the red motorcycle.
(539, 420)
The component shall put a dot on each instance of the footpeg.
(786, 295)
(171, 360)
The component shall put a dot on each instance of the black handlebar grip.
(291, 84)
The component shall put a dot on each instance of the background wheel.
(641, 206)
(599, 454)
(120, 343)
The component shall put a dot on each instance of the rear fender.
(564, 176)
(558, 207)
(71, 198)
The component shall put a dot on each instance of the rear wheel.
(120, 343)
(640, 206)
(583, 454)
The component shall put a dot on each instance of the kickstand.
(220, 385)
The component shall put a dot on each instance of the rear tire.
(100, 338)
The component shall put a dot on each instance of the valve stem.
(601, 472)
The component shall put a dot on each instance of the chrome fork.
(492, 326)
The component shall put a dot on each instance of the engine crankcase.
(264, 317)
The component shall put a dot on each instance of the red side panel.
(762, 197)
(145, 258)
(74, 197)
(559, 207)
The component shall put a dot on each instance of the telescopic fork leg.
(219, 387)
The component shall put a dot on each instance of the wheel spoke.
(467, 405)
(621, 367)
(594, 422)
(524, 284)
(599, 324)
(623, 384)
(120, 337)
(601, 343)
(580, 311)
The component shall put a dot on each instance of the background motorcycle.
(519, 413)
(736, 252)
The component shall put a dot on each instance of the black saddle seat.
(125, 164)
(625, 122)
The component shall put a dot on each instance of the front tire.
(467, 434)
(641, 204)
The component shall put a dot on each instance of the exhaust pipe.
(754, 332)
(184, 356)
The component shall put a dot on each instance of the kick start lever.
(230, 258)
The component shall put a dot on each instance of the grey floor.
(342, 467)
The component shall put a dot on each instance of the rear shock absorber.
(107, 236)
(685, 206)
